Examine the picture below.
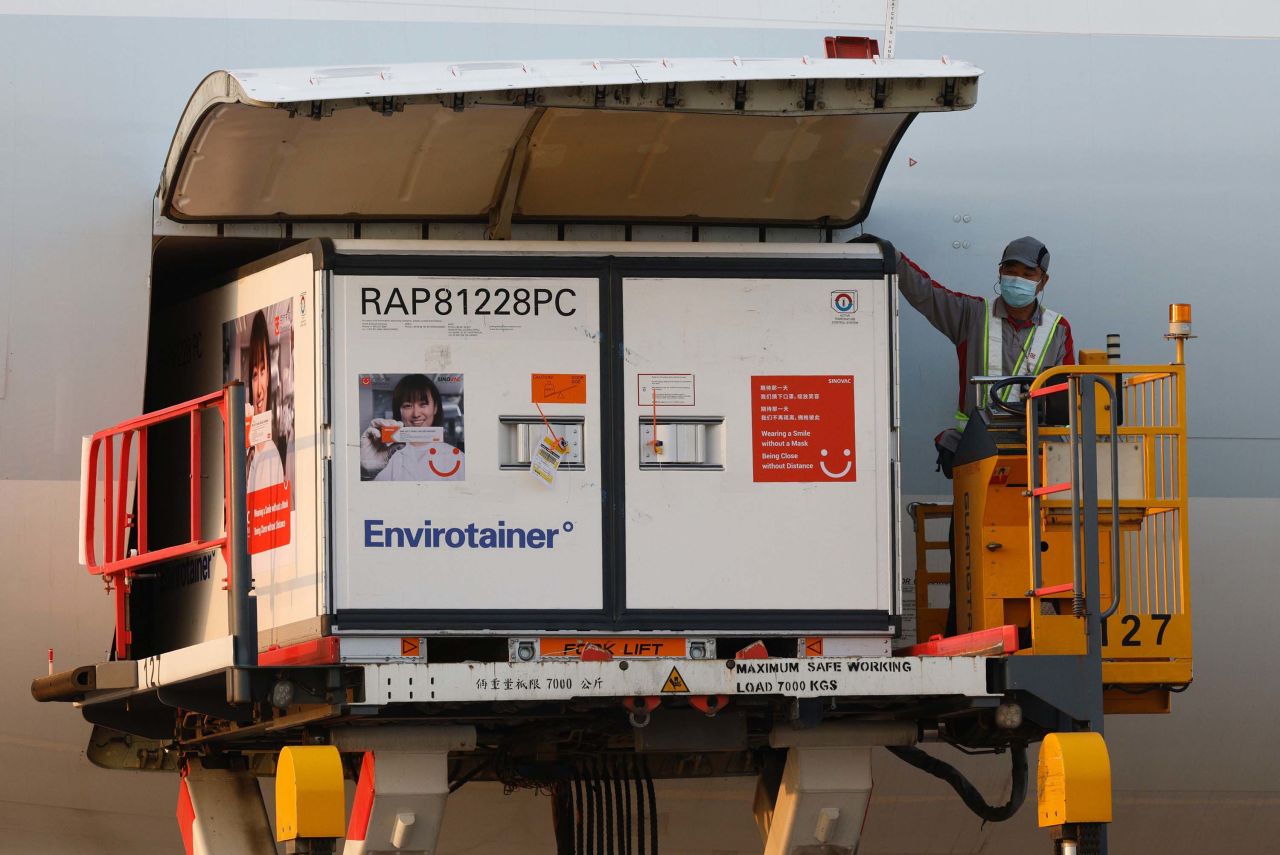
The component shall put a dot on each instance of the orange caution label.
(559, 389)
(813, 647)
(630, 648)
(410, 646)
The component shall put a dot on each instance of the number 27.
(1135, 623)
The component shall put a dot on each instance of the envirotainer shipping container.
(727, 414)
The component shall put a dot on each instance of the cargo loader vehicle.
(538, 422)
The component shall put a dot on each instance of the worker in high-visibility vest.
(1012, 334)
(1009, 335)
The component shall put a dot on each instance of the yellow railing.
(1155, 570)
(1147, 637)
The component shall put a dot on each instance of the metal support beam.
(241, 605)
(220, 812)
(825, 787)
(821, 802)
(399, 804)
(1088, 461)
(499, 227)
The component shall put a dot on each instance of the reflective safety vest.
(1033, 350)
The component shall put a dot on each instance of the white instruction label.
(665, 390)
(546, 460)
(259, 429)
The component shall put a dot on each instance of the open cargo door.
(769, 141)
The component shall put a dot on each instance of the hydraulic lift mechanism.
(537, 423)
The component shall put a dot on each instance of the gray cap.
(1029, 251)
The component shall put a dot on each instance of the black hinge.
(810, 94)
(308, 109)
(881, 92)
(670, 100)
(386, 105)
(600, 92)
(740, 96)
(949, 92)
(459, 102)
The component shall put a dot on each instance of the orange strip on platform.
(985, 642)
(625, 647)
(319, 651)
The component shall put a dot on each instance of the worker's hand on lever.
(374, 453)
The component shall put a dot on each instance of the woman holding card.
(412, 447)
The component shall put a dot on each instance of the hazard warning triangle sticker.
(675, 683)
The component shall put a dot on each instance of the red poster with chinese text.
(803, 428)
(269, 517)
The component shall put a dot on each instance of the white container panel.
(421, 534)
(792, 509)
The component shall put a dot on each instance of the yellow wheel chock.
(310, 800)
(1073, 779)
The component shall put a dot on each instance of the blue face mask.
(1018, 292)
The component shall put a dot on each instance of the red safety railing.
(119, 564)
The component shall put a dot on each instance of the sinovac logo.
(378, 535)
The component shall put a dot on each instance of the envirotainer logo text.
(378, 535)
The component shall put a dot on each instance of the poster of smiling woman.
(258, 351)
(411, 427)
